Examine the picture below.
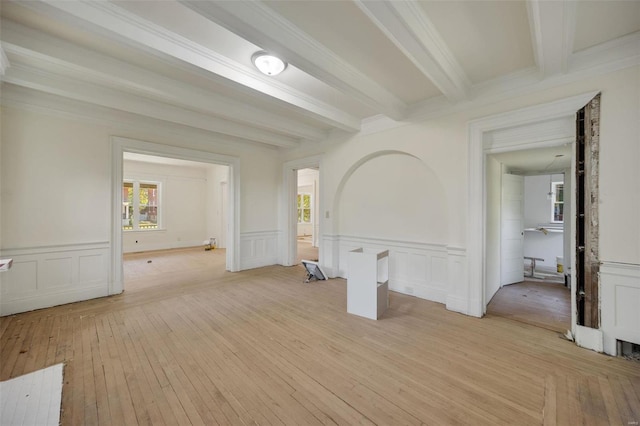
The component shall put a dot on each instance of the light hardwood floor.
(539, 303)
(204, 346)
(306, 250)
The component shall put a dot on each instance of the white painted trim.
(619, 287)
(258, 249)
(583, 65)
(410, 29)
(419, 269)
(261, 25)
(288, 219)
(477, 179)
(31, 303)
(118, 146)
(53, 275)
(606, 57)
(23, 251)
(45, 103)
(137, 31)
(65, 58)
(58, 56)
(589, 338)
(27, 76)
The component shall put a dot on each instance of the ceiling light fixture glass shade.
(267, 63)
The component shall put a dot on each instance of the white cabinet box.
(368, 283)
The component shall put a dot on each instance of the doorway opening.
(172, 198)
(539, 126)
(173, 219)
(301, 211)
(307, 214)
(526, 207)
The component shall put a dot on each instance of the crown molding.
(27, 76)
(58, 56)
(119, 121)
(408, 27)
(552, 33)
(610, 56)
(136, 31)
(256, 22)
(517, 84)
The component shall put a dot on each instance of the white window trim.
(554, 185)
(136, 204)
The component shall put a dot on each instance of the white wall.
(442, 145)
(393, 197)
(189, 204)
(56, 197)
(537, 212)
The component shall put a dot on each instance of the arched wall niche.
(392, 200)
(391, 195)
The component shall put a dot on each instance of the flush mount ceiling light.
(267, 63)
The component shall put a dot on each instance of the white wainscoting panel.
(258, 249)
(47, 276)
(417, 269)
(619, 304)
(458, 297)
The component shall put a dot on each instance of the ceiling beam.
(552, 25)
(68, 59)
(73, 88)
(409, 28)
(120, 24)
(262, 26)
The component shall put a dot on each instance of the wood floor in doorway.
(261, 347)
(306, 250)
(543, 304)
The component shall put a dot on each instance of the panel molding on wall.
(620, 298)
(48, 276)
(417, 269)
(258, 249)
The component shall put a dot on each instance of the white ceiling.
(188, 62)
(540, 161)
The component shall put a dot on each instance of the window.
(557, 202)
(304, 208)
(140, 205)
